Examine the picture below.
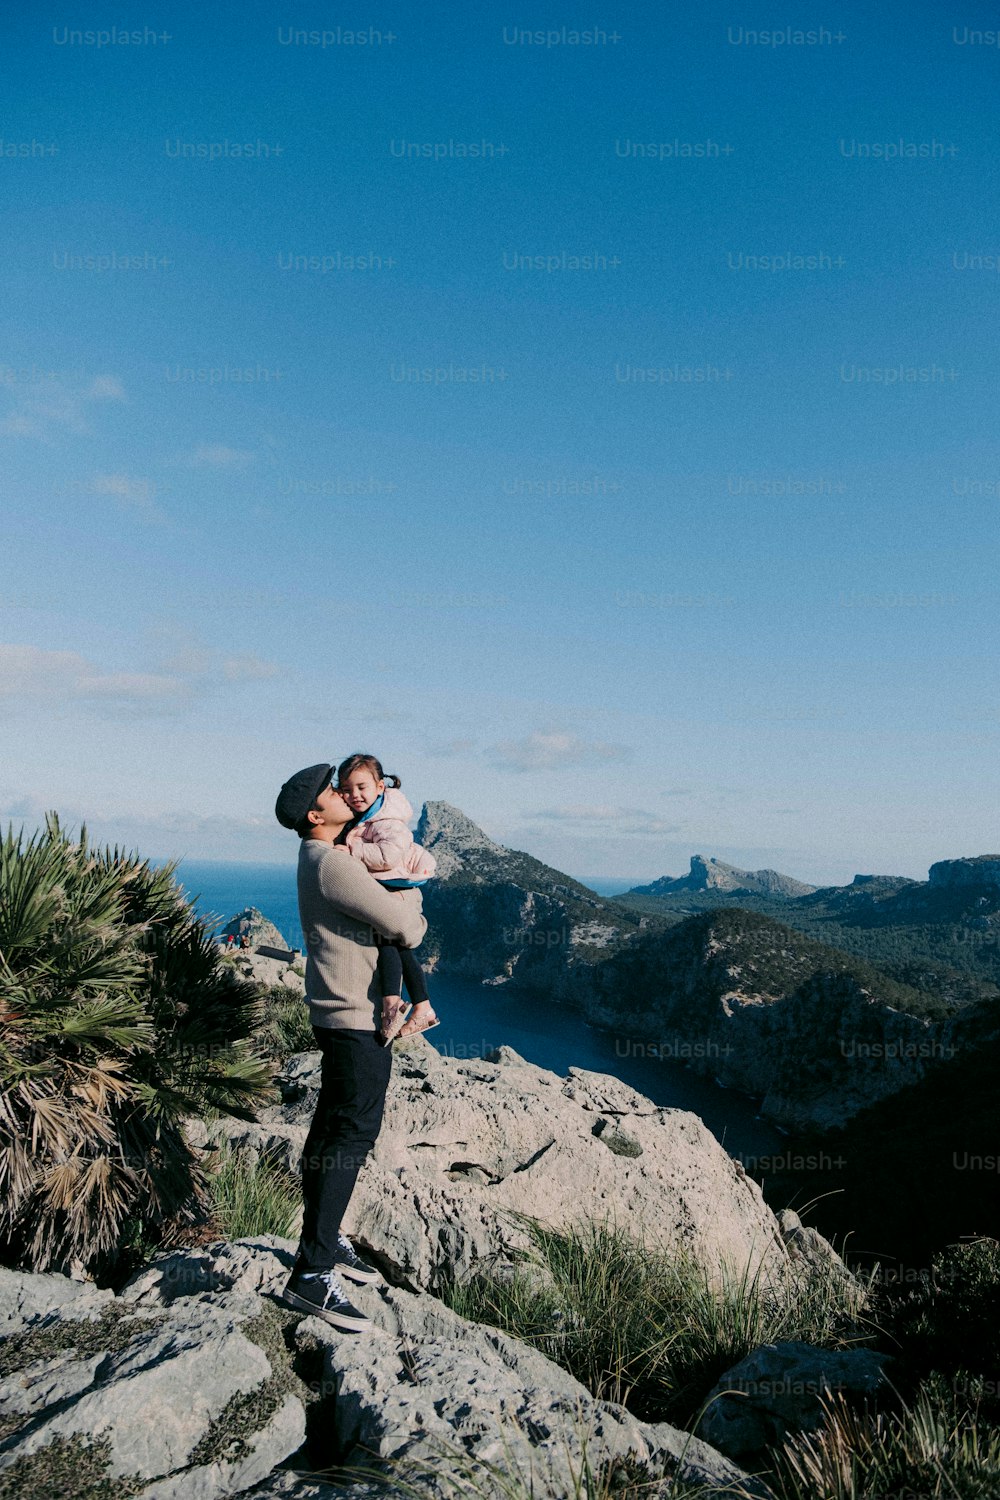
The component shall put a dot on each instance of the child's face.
(360, 790)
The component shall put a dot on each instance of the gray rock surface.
(468, 1147)
(431, 1391)
(428, 1383)
(271, 971)
(453, 838)
(160, 1381)
(781, 1386)
(25, 1297)
(810, 1256)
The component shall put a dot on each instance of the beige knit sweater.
(339, 905)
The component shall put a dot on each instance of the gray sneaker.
(350, 1264)
(322, 1293)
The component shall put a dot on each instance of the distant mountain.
(941, 935)
(980, 870)
(716, 875)
(497, 914)
(816, 1032)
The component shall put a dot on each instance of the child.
(380, 838)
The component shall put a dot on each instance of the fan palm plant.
(117, 1019)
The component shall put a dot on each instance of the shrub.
(934, 1449)
(116, 1021)
(286, 1029)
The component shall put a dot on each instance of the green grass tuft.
(252, 1195)
(645, 1328)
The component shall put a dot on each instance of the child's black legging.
(396, 964)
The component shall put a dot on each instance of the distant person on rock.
(342, 910)
(381, 839)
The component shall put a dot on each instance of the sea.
(478, 1017)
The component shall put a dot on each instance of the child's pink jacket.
(385, 845)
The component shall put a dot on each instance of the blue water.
(478, 1017)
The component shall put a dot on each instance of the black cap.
(299, 793)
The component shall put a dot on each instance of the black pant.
(396, 964)
(348, 1118)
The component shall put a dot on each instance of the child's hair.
(365, 763)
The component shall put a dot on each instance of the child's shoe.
(394, 1012)
(421, 1018)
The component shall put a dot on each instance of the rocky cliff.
(715, 875)
(981, 870)
(195, 1382)
(817, 1033)
(497, 914)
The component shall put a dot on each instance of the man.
(339, 905)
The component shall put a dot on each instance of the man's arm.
(347, 885)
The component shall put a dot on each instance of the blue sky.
(630, 481)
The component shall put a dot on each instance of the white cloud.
(160, 834)
(452, 748)
(31, 672)
(553, 750)
(595, 817)
(105, 388)
(45, 409)
(219, 456)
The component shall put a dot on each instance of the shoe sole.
(360, 1276)
(343, 1321)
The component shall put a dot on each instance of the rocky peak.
(710, 874)
(715, 874)
(978, 869)
(453, 838)
(252, 923)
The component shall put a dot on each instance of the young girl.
(380, 838)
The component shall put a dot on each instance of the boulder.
(261, 968)
(25, 1297)
(435, 1392)
(780, 1389)
(467, 1148)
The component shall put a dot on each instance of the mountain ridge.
(813, 1030)
(715, 874)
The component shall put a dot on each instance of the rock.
(252, 923)
(262, 969)
(979, 869)
(453, 838)
(433, 1391)
(811, 1256)
(468, 1147)
(782, 1385)
(25, 1297)
(715, 875)
(175, 1380)
(179, 1394)
(258, 1265)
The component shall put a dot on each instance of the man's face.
(333, 807)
